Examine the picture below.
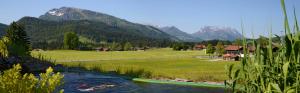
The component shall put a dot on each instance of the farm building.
(199, 47)
(233, 49)
(234, 52)
(102, 49)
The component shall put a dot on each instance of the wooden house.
(199, 47)
(235, 52)
(102, 49)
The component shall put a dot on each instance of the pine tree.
(19, 44)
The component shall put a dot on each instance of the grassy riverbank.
(156, 63)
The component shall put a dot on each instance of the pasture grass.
(157, 63)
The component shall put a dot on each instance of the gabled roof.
(200, 46)
(233, 47)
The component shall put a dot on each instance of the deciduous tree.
(209, 49)
(220, 49)
(127, 46)
(71, 40)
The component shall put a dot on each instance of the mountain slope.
(217, 33)
(173, 31)
(69, 13)
(50, 27)
(2, 29)
(41, 31)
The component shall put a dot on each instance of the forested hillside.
(49, 34)
(2, 29)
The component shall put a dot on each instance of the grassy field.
(157, 63)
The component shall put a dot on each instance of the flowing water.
(93, 82)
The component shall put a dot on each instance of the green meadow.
(157, 63)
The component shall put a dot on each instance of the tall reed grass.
(270, 71)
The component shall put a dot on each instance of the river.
(93, 82)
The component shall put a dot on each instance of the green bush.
(71, 40)
(3, 47)
(127, 46)
(210, 49)
(180, 46)
(12, 81)
(269, 71)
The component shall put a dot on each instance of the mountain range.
(49, 28)
(218, 33)
(181, 35)
(206, 33)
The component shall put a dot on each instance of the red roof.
(200, 46)
(233, 47)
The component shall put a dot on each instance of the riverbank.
(183, 83)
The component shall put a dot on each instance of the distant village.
(231, 52)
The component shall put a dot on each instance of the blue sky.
(187, 15)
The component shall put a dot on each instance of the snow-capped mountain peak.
(55, 12)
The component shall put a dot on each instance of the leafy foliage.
(238, 42)
(269, 71)
(12, 81)
(220, 49)
(263, 41)
(180, 46)
(116, 46)
(71, 40)
(215, 42)
(3, 47)
(210, 49)
(15, 45)
(128, 46)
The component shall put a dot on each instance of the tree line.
(71, 41)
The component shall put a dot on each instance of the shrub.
(3, 47)
(12, 81)
(210, 49)
(127, 46)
